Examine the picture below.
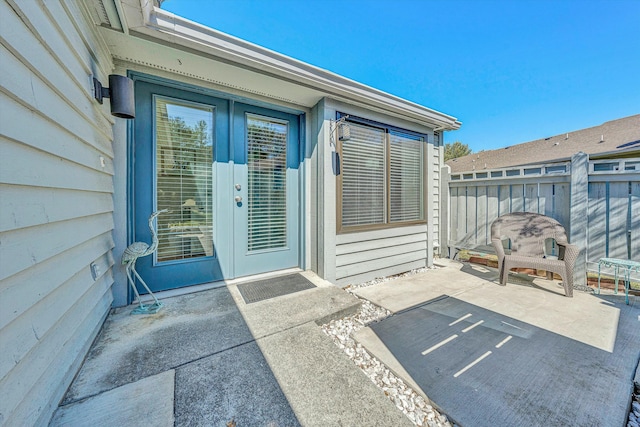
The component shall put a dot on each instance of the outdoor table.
(627, 266)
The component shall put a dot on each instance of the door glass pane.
(405, 181)
(184, 182)
(363, 176)
(267, 173)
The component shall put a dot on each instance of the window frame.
(388, 129)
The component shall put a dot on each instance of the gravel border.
(414, 406)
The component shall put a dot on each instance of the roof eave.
(163, 25)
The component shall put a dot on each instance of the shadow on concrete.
(482, 368)
(220, 373)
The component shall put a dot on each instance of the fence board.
(531, 198)
(597, 229)
(617, 217)
(545, 200)
(481, 215)
(493, 206)
(462, 213)
(562, 204)
(504, 195)
(453, 191)
(517, 198)
(635, 221)
(471, 223)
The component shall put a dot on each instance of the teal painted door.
(266, 190)
(196, 154)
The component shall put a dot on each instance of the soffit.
(149, 53)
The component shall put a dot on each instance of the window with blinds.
(381, 182)
(405, 177)
(267, 183)
(363, 176)
(184, 180)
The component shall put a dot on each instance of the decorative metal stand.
(130, 256)
(627, 267)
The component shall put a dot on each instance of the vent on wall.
(105, 14)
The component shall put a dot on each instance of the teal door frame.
(229, 147)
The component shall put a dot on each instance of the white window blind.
(363, 176)
(267, 181)
(381, 181)
(406, 177)
(184, 182)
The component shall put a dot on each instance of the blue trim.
(302, 143)
(141, 156)
(130, 208)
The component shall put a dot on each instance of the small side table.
(627, 267)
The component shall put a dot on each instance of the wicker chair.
(528, 233)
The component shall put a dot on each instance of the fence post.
(445, 216)
(579, 215)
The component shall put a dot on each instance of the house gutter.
(151, 22)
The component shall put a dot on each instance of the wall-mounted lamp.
(120, 91)
(344, 131)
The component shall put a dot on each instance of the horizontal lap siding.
(56, 204)
(367, 255)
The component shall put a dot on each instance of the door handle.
(238, 199)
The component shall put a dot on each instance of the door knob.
(238, 199)
(238, 187)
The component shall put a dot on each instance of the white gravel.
(414, 406)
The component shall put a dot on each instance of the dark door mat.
(275, 287)
(485, 369)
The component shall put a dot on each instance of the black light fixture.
(120, 91)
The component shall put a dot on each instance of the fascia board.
(162, 25)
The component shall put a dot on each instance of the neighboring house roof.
(614, 137)
(152, 36)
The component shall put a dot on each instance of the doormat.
(275, 287)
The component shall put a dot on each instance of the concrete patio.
(208, 358)
(523, 354)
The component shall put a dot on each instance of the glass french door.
(178, 138)
(266, 191)
(227, 173)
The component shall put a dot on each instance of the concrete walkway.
(208, 358)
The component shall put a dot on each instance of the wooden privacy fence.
(597, 201)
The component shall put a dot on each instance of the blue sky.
(511, 71)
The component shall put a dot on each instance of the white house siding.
(56, 185)
(357, 257)
(367, 255)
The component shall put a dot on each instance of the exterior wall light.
(120, 91)
(344, 131)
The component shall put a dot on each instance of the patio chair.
(528, 234)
